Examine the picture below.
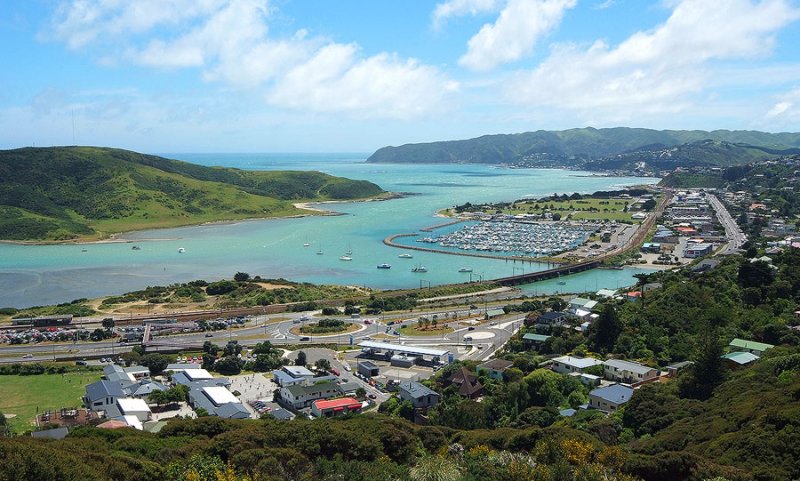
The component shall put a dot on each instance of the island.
(58, 194)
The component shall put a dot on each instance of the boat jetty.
(516, 238)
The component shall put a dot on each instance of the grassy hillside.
(62, 193)
(577, 147)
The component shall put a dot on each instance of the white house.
(627, 371)
(569, 364)
(298, 396)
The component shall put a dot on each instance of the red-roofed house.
(335, 407)
(633, 295)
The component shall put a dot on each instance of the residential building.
(606, 293)
(467, 382)
(610, 398)
(753, 347)
(627, 371)
(102, 394)
(335, 407)
(494, 368)
(132, 407)
(420, 396)
(735, 360)
(531, 340)
(694, 251)
(569, 364)
(298, 396)
(552, 319)
(581, 303)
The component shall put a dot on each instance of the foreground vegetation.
(68, 193)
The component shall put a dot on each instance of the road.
(276, 328)
(736, 238)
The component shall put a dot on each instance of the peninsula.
(58, 194)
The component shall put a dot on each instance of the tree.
(210, 348)
(156, 363)
(361, 393)
(604, 332)
(228, 366)
(708, 370)
(232, 348)
(323, 364)
(241, 277)
(755, 274)
(301, 359)
(108, 323)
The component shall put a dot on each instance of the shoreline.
(119, 237)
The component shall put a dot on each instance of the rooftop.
(297, 371)
(129, 405)
(744, 344)
(219, 395)
(634, 367)
(196, 374)
(579, 362)
(496, 365)
(741, 358)
(535, 337)
(615, 393)
(420, 351)
(345, 402)
(417, 390)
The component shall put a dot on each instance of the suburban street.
(736, 238)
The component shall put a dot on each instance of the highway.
(276, 328)
(736, 238)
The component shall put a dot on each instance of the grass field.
(21, 395)
(413, 330)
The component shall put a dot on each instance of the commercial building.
(367, 368)
(217, 401)
(335, 407)
(289, 375)
(298, 396)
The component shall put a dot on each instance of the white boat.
(405, 256)
(420, 269)
(384, 266)
(181, 250)
(306, 244)
(465, 269)
(345, 258)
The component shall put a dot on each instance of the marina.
(517, 238)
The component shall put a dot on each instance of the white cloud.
(520, 25)
(457, 8)
(786, 111)
(229, 42)
(655, 71)
(335, 79)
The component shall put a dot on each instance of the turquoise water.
(36, 275)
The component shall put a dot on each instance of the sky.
(162, 76)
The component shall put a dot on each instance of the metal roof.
(535, 337)
(615, 393)
(219, 395)
(741, 358)
(417, 390)
(634, 367)
(420, 351)
(578, 362)
(129, 405)
(744, 344)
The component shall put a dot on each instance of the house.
(587, 379)
(368, 368)
(421, 396)
(610, 398)
(552, 319)
(335, 407)
(581, 303)
(217, 401)
(753, 347)
(494, 368)
(102, 394)
(735, 360)
(298, 396)
(288, 375)
(468, 385)
(627, 371)
(534, 340)
(569, 364)
(633, 296)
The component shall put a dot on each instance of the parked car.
(471, 328)
(82, 362)
(208, 334)
(305, 338)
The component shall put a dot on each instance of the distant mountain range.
(601, 149)
(62, 193)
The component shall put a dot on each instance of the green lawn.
(413, 330)
(21, 395)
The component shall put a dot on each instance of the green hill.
(589, 147)
(63, 193)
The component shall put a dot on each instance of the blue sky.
(352, 76)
